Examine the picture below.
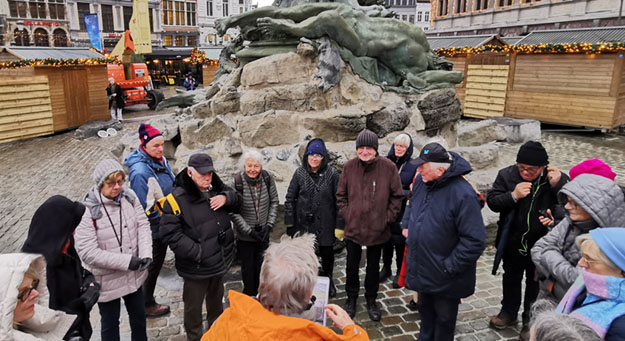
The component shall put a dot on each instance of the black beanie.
(532, 153)
(367, 138)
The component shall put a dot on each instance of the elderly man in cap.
(196, 225)
(369, 197)
(522, 193)
(151, 178)
(445, 237)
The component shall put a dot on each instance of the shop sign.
(41, 23)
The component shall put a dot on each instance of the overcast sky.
(262, 3)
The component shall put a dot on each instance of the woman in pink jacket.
(114, 242)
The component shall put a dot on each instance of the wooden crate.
(208, 74)
(486, 90)
(25, 109)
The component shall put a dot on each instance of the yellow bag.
(158, 205)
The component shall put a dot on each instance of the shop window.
(60, 38)
(209, 6)
(83, 8)
(56, 8)
(41, 37)
(192, 41)
(180, 41)
(107, 18)
(190, 14)
(179, 13)
(17, 9)
(21, 38)
(168, 40)
(168, 12)
(127, 16)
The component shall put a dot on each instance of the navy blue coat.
(446, 234)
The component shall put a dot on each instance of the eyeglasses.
(528, 169)
(25, 293)
(315, 156)
(589, 260)
(113, 183)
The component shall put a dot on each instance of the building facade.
(211, 10)
(519, 17)
(35, 23)
(422, 17)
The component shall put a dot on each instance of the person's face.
(111, 189)
(27, 296)
(365, 153)
(203, 181)
(314, 161)
(155, 147)
(252, 168)
(428, 173)
(400, 150)
(593, 264)
(111, 81)
(577, 213)
(529, 172)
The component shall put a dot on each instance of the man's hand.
(338, 316)
(521, 190)
(218, 202)
(404, 232)
(554, 175)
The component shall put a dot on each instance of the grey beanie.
(367, 138)
(104, 169)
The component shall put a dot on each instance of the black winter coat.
(202, 239)
(541, 197)
(310, 204)
(50, 234)
(118, 99)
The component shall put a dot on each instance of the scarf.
(94, 205)
(604, 303)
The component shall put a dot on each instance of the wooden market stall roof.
(14, 53)
(464, 41)
(575, 35)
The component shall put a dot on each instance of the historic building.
(422, 18)
(37, 23)
(519, 17)
(211, 10)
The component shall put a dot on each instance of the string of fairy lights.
(199, 57)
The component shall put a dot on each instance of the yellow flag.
(140, 27)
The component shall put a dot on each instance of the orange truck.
(134, 80)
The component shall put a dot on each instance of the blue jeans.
(438, 317)
(109, 313)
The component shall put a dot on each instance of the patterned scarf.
(605, 300)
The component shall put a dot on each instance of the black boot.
(373, 310)
(332, 290)
(350, 306)
(385, 273)
(396, 282)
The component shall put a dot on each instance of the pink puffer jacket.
(99, 249)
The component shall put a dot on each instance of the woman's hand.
(339, 316)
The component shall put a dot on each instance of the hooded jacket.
(310, 204)
(202, 239)
(446, 234)
(369, 197)
(150, 180)
(248, 320)
(46, 324)
(556, 254)
(407, 171)
(72, 288)
(99, 248)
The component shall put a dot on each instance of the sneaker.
(385, 273)
(156, 310)
(501, 321)
(412, 305)
(373, 310)
(525, 332)
(350, 306)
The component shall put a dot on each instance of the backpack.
(158, 204)
(238, 181)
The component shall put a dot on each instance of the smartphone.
(545, 214)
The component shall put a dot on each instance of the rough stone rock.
(306, 49)
(197, 133)
(353, 90)
(475, 133)
(437, 99)
(340, 152)
(212, 90)
(519, 130)
(226, 101)
(335, 125)
(279, 69)
(202, 109)
(283, 154)
(167, 125)
(480, 157)
(272, 128)
(483, 180)
(233, 147)
(127, 143)
(416, 121)
(91, 129)
(447, 136)
(435, 118)
(295, 97)
(394, 117)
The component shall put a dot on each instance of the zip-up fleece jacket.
(369, 197)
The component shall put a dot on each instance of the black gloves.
(135, 263)
(257, 235)
(263, 234)
(145, 264)
(267, 233)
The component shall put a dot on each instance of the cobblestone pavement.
(35, 169)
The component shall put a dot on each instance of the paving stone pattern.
(35, 169)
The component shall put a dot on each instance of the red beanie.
(592, 166)
(147, 133)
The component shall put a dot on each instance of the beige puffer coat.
(99, 249)
(46, 324)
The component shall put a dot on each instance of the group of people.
(422, 210)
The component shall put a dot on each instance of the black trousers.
(251, 256)
(327, 260)
(194, 293)
(514, 266)
(159, 250)
(397, 245)
(372, 279)
(438, 317)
